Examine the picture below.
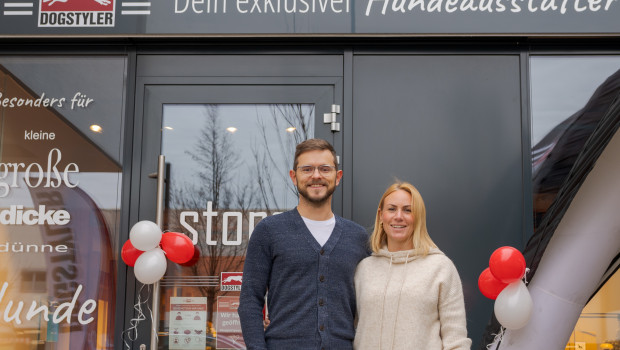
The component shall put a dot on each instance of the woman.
(409, 294)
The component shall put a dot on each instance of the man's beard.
(320, 200)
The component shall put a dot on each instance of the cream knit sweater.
(410, 302)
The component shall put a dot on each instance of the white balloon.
(150, 266)
(145, 235)
(513, 306)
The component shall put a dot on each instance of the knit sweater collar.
(402, 256)
(302, 229)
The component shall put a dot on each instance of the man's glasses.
(309, 169)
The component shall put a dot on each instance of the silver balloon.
(151, 266)
(513, 306)
(145, 235)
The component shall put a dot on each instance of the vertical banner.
(81, 275)
(188, 323)
(227, 324)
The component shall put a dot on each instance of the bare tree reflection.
(274, 152)
(226, 180)
(215, 158)
(216, 162)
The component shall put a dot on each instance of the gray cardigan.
(311, 298)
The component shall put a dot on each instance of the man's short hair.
(314, 145)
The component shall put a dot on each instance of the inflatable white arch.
(585, 242)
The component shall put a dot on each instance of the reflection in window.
(228, 167)
(570, 96)
(599, 323)
(59, 200)
(234, 155)
(33, 281)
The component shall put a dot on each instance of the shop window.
(599, 323)
(61, 132)
(569, 97)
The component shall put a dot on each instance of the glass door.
(228, 150)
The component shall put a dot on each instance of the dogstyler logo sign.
(231, 281)
(76, 13)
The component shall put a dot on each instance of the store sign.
(242, 17)
(76, 13)
(189, 219)
(231, 281)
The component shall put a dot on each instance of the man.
(306, 259)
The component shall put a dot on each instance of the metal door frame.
(166, 70)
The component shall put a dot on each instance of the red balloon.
(194, 258)
(178, 247)
(130, 254)
(507, 264)
(489, 285)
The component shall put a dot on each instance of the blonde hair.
(422, 242)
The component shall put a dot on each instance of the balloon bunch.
(502, 282)
(147, 249)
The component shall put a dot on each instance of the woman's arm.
(451, 307)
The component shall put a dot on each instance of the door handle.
(161, 180)
(159, 220)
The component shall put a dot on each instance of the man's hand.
(266, 322)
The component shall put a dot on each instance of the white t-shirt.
(321, 230)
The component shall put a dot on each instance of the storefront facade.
(471, 101)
